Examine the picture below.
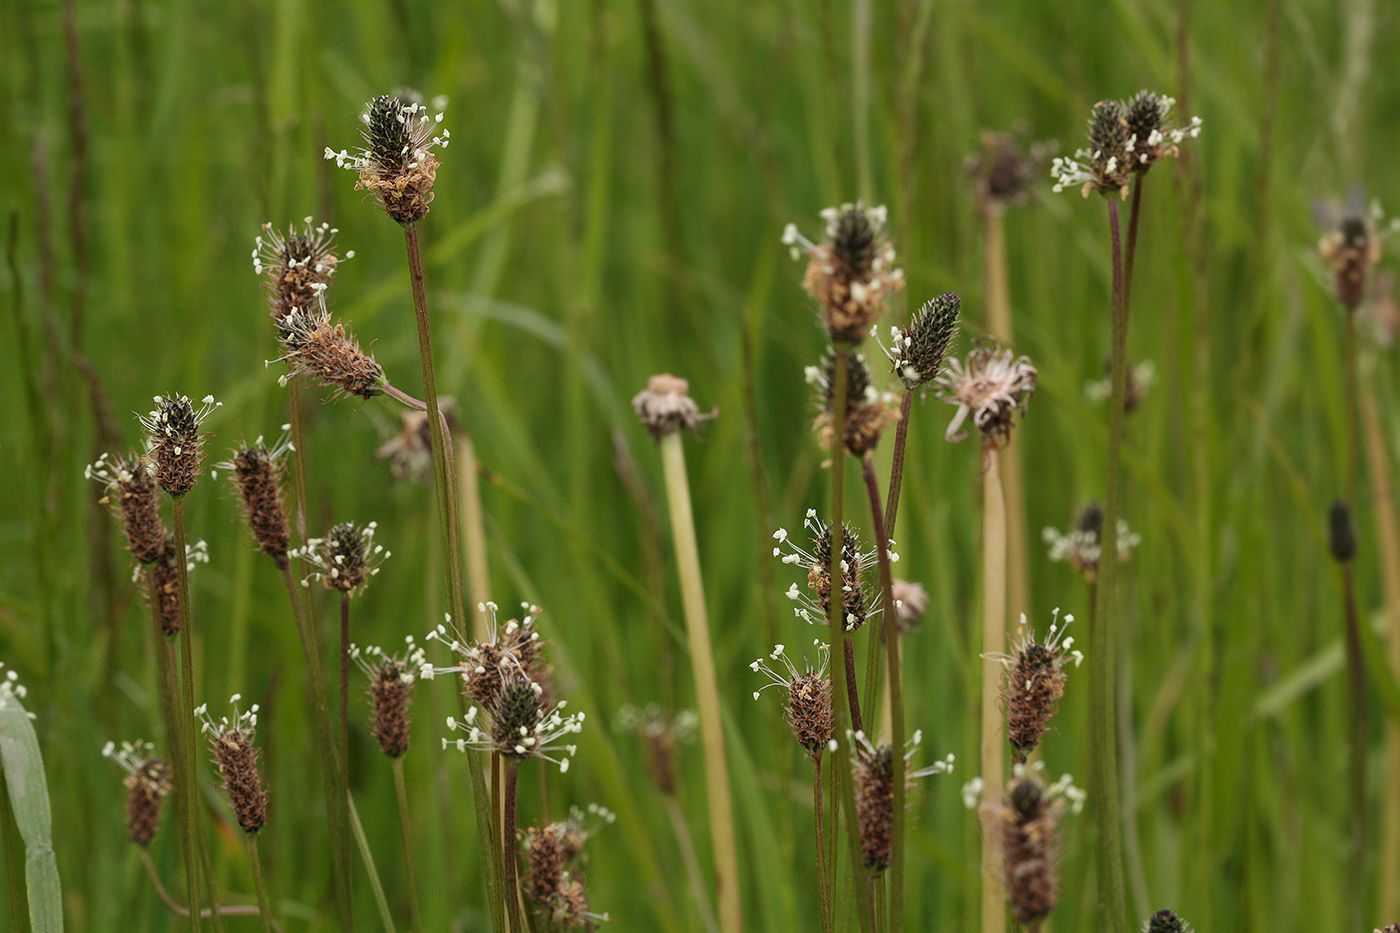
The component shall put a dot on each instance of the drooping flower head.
(855, 601)
(1034, 682)
(345, 558)
(130, 490)
(174, 441)
(992, 387)
(1083, 543)
(255, 472)
(298, 265)
(916, 352)
(236, 757)
(397, 164)
(808, 695)
(147, 783)
(316, 346)
(391, 680)
(851, 271)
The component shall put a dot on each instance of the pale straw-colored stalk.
(993, 642)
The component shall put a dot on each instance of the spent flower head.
(991, 387)
(1083, 543)
(910, 602)
(174, 442)
(1034, 682)
(345, 558)
(130, 490)
(873, 770)
(665, 406)
(236, 758)
(316, 346)
(1140, 378)
(255, 473)
(391, 679)
(854, 563)
(148, 782)
(851, 271)
(397, 164)
(808, 694)
(916, 352)
(298, 266)
(868, 411)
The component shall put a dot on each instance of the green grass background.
(610, 206)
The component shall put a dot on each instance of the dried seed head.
(874, 780)
(320, 349)
(993, 386)
(547, 860)
(298, 266)
(345, 558)
(1083, 543)
(255, 472)
(917, 352)
(910, 602)
(236, 757)
(147, 783)
(1341, 532)
(397, 164)
(1034, 682)
(808, 695)
(174, 441)
(1153, 136)
(868, 412)
(410, 452)
(130, 484)
(666, 407)
(391, 679)
(851, 272)
(1164, 921)
(1351, 250)
(1003, 171)
(165, 574)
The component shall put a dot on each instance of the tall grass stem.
(367, 856)
(194, 838)
(993, 748)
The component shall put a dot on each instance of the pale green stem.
(368, 857)
(707, 694)
(993, 642)
(692, 865)
(473, 531)
(410, 872)
(264, 908)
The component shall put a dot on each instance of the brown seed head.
(992, 387)
(320, 349)
(547, 860)
(569, 907)
(1034, 682)
(255, 472)
(1003, 171)
(298, 266)
(809, 711)
(392, 691)
(1028, 846)
(174, 441)
(397, 164)
(851, 272)
(874, 779)
(1351, 250)
(666, 407)
(236, 758)
(147, 783)
(131, 491)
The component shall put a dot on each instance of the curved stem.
(890, 630)
(175, 907)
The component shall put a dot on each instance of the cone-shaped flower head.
(255, 472)
(817, 562)
(1034, 682)
(172, 435)
(808, 695)
(315, 346)
(485, 665)
(397, 164)
(1351, 247)
(851, 271)
(236, 757)
(391, 680)
(1341, 532)
(992, 387)
(298, 266)
(131, 492)
(147, 782)
(345, 558)
(1165, 921)
(916, 352)
(1154, 136)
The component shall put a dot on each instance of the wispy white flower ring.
(992, 386)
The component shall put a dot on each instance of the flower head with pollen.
(397, 164)
(991, 387)
(1351, 247)
(1034, 682)
(548, 850)
(665, 406)
(174, 441)
(236, 757)
(813, 607)
(1108, 162)
(851, 271)
(1154, 136)
(868, 411)
(520, 726)
(255, 472)
(873, 770)
(147, 782)
(345, 558)
(130, 490)
(808, 695)
(391, 680)
(1083, 543)
(484, 666)
(916, 352)
(297, 265)
(315, 346)
(1029, 820)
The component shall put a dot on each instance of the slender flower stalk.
(664, 411)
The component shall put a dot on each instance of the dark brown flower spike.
(345, 558)
(174, 441)
(317, 347)
(397, 164)
(855, 600)
(147, 782)
(1165, 921)
(868, 411)
(255, 472)
(298, 265)
(873, 767)
(1034, 682)
(391, 680)
(808, 695)
(236, 758)
(131, 492)
(1029, 821)
(549, 849)
(1004, 169)
(167, 581)
(851, 271)
(1351, 249)
(1154, 136)
(485, 665)
(917, 352)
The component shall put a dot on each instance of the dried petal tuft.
(666, 407)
